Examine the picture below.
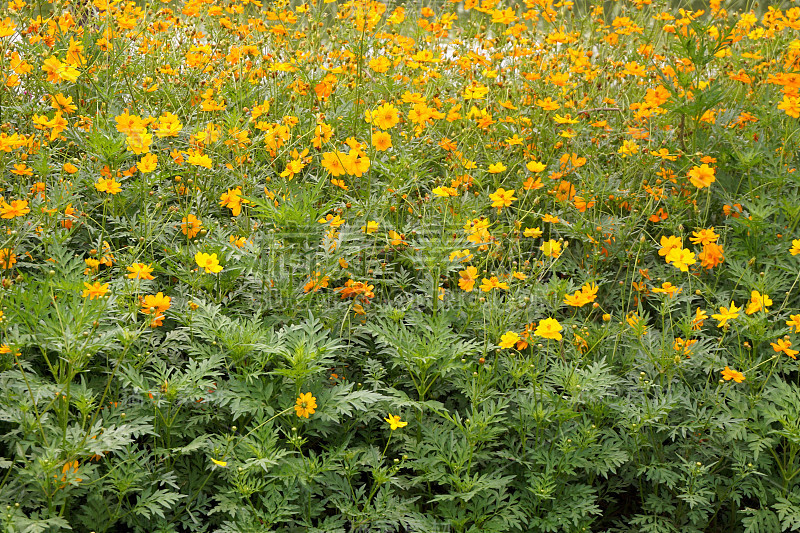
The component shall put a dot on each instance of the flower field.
(360, 266)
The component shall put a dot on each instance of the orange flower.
(701, 176)
(794, 322)
(17, 208)
(385, 116)
(699, 317)
(492, 283)
(191, 226)
(467, 278)
(711, 256)
(729, 374)
(305, 405)
(784, 345)
(7, 258)
(95, 290)
(382, 141)
(316, 282)
(233, 200)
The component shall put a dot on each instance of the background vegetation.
(350, 266)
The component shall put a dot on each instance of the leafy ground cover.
(357, 266)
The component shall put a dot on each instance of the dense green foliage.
(345, 267)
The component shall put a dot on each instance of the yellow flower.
(509, 339)
(461, 256)
(140, 271)
(156, 304)
(667, 288)
(394, 422)
(219, 463)
(139, 143)
(58, 71)
(794, 322)
(370, 227)
(502, 198)
(385, 116)
(445, 192)
(790, 106)
(208, 262)
(628, 148)
(726, 314)
(200, 160)
(551, 248)
(535, 166)
(758, 302)
(681, 258)
(496, 168)
(305, 405)
(108, 185)
(549, 328)
(587, 294)
(668, 244)
(147, 164)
